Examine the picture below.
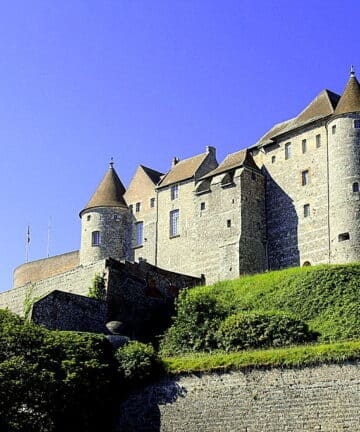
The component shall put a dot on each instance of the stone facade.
(318, 398)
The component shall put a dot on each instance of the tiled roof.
(232, 161)
(109, 193)
(183, 170)
(322, 106)
(155, 176)
(350, 100)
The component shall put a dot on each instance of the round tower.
(105, 222)
(344, 176)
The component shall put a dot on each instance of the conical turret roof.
(109, 193)
(350, 100)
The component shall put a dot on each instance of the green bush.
(52, 381)
(262, 329)
(97, 289)
(198, 316)
(136, 362)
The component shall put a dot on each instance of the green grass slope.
(326, 297)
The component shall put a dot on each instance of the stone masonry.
(319, 398)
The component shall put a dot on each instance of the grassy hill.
(326, 298)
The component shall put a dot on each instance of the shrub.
(262, 329)
(97, 290)
(136, 362)
(199, 315)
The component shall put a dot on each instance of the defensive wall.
(45, 268)
(318, 398)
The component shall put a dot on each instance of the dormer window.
(228, 179)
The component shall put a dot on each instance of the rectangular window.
(137, 207)
(303, 146)
(131, 208)
(344, 237)
(357, 124)
(305, 178)
(174, 223)
(152, 202)
(318, 141)
(306, 210)
(273, 159)
(139, 233)
(174, 192)
(333, 130)
(202, 206)
(288, 150)
(95, 238)
(228, 223)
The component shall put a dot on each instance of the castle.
(292, 199)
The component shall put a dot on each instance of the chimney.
(211, 149)
(174, 162)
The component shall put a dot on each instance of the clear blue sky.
(143, 81)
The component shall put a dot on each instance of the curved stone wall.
(344, 172)
(318, 398)
(45, 268)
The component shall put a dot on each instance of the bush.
(136, 362)
(195, 325)
(262, 329)
(97, 290)
(52, 381)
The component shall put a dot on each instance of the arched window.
(356, 187)
(307, 264)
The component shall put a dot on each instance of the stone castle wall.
(294, 238)
(75, 281)
(319, 398)
(45, 268)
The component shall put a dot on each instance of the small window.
(152, 202)
(174, 223)
(95, 238)
(307, 264)
(333, 130)
(228, 223)
(202, 206)
(344, 237)
(116, 217)
(88, 217)
(355, 187)
(273, 159)
(288, 151)
(139, 233)
(306, 210)
(253, 175)
(131, 208)
(174, 192)
(357, 124)
(303, 146)
(137, 207)
(305, 178)
(318, 141)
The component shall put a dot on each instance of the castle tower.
(344, 175)
(105, 222)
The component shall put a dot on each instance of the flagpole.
(27, 244)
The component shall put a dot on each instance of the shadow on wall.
(281, 225)
(135, 415)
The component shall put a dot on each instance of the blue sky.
(143, 81)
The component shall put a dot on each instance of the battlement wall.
(325, 397)
(45, 268)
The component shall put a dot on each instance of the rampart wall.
(319, 398)
(75, 281)
(45, 268)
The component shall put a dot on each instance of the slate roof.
(109, 193)
(350, 100)
(232, 161)
(183, 170)
(155, 176)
